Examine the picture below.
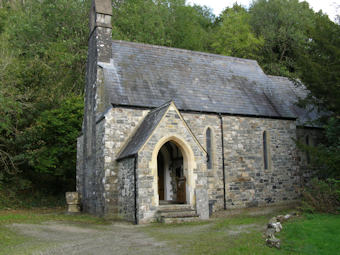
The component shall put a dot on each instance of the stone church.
(173, 134)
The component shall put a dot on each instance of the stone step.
(174, 207)
(177, 214)
(178, 220)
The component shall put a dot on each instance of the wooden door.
(181, 190)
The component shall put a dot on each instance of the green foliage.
(234, 37)
(43, 47)
(51, 142)
(50, 38)
(283, 24)
(22, 196)
(320, 65)
(326, 156)
(12, 106)
(163, 22)
(321, 196)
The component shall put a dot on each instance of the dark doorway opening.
(171, 178)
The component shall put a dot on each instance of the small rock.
(287, 216)
(273, 220)
(273, 242)
(280, 218)
(277, 226)
(270, 233)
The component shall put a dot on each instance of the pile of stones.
(274, 226)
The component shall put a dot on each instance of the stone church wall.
(304, 159)
(98, 173)
(247, 182)
(90, 173)
(80, 162)
(126, 187)
(119, 126)
(199, 123)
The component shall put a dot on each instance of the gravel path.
(119, 238)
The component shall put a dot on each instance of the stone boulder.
(273, 242)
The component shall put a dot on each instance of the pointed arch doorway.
(170, 175)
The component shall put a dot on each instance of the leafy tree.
(51, 142)
(320, 64)
(234, 36)
(42, 62)
(50, 40)
(283, 24)
(163, 22)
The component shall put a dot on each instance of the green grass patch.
(233, 235)
(240, 220)
(243, 234)
(312, 234)
(41, 215)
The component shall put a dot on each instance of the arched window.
(265, 151)
(307, 152)
(209, 148)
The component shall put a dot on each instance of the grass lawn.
(240, 234)
(307, 234)
(312, 234)
(232, 235)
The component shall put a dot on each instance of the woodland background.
(43, 51)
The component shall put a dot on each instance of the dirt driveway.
(61, 238)
(226, 231)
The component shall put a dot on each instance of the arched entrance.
(181, 159)
(170, 173)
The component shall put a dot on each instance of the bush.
(321, 196)
(12, 197)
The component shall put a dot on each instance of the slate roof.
(291, 92)
(144, 131)
(148, 76)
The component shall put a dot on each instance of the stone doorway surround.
(188, 167)
(161, 125)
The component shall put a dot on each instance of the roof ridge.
(186, 51)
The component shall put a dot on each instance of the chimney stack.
(101, 29)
